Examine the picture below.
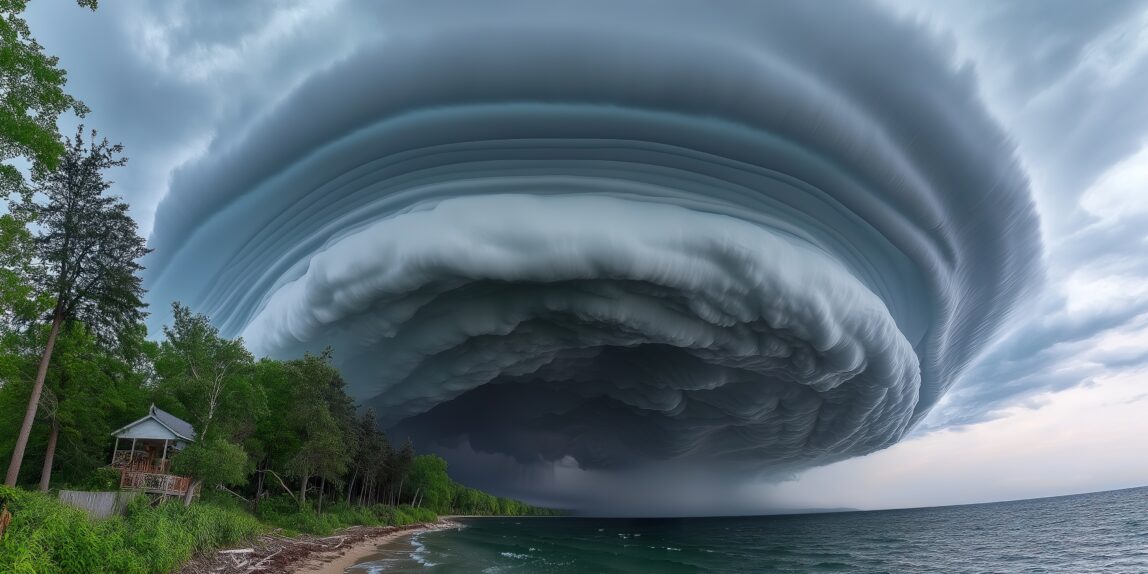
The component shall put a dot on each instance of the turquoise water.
(1102, 532)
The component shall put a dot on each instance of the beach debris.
(274, 553)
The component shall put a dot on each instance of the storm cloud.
(759, 238)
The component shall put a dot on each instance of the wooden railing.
(138, 461)
(154, 482)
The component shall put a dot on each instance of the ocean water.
(1101, 532)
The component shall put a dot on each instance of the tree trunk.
(322, 487)
(303, 490)
(46, 474)
(259, 485)
(190, 494)
(33, 403)
(351, 485)
(399, 495)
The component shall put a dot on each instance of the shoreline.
(336, 562)
(305, 554)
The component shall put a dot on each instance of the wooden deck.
(154, 482)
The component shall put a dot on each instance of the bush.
(105, 478)
(48, 537)
(284, 512)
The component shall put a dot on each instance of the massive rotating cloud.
(758, 236)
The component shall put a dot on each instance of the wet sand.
(337, 561)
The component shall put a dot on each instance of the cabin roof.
(179, 427)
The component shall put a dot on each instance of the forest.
(268, 428)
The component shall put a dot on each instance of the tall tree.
(86, 250)
(430, 482)
(208, 378)
(323, 416)
(398, 466)
(205, 374)
(86, 378)
(370, 456)
(32, 94)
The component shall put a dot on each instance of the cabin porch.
(145, 466)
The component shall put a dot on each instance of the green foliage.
(84, 378)
(319, 418)
(48, 537)
(430, 484)
(206, 378)
(213, 461)
(84, 257)
(102, 479)
(284, 513)
(86, 246)
(31, 92)
(19, 303)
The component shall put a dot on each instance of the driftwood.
(257, 565)
(273, 553)
(283, 484)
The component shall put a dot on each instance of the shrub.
(49, 537)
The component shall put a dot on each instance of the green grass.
(49, 537)
(283, 513)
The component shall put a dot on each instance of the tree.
(19, 302)
(275, 440)
(398, 466)
(322, 417)
(212, 461)
(370, 458)
(86, 378)
(86, 252)
(205, 374)
(208, 378)
(31, 94)
(431, 483)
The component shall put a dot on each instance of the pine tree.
(87, 249)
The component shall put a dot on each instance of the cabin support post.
(116, 450)
(163, 457)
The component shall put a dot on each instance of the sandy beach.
(337, 561)
(305, 554)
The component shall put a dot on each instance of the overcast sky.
(1058, 405)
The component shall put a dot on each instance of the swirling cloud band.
(760, 237)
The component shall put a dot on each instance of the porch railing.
(138, 461)
(153, 482)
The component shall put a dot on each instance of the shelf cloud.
(757, 238)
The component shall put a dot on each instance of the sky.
(967, 321)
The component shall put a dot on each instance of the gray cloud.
(767, 239)
(290, 133)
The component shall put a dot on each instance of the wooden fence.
(98, 504)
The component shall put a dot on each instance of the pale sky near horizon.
(1059, 405)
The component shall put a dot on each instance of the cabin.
(143, 453)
